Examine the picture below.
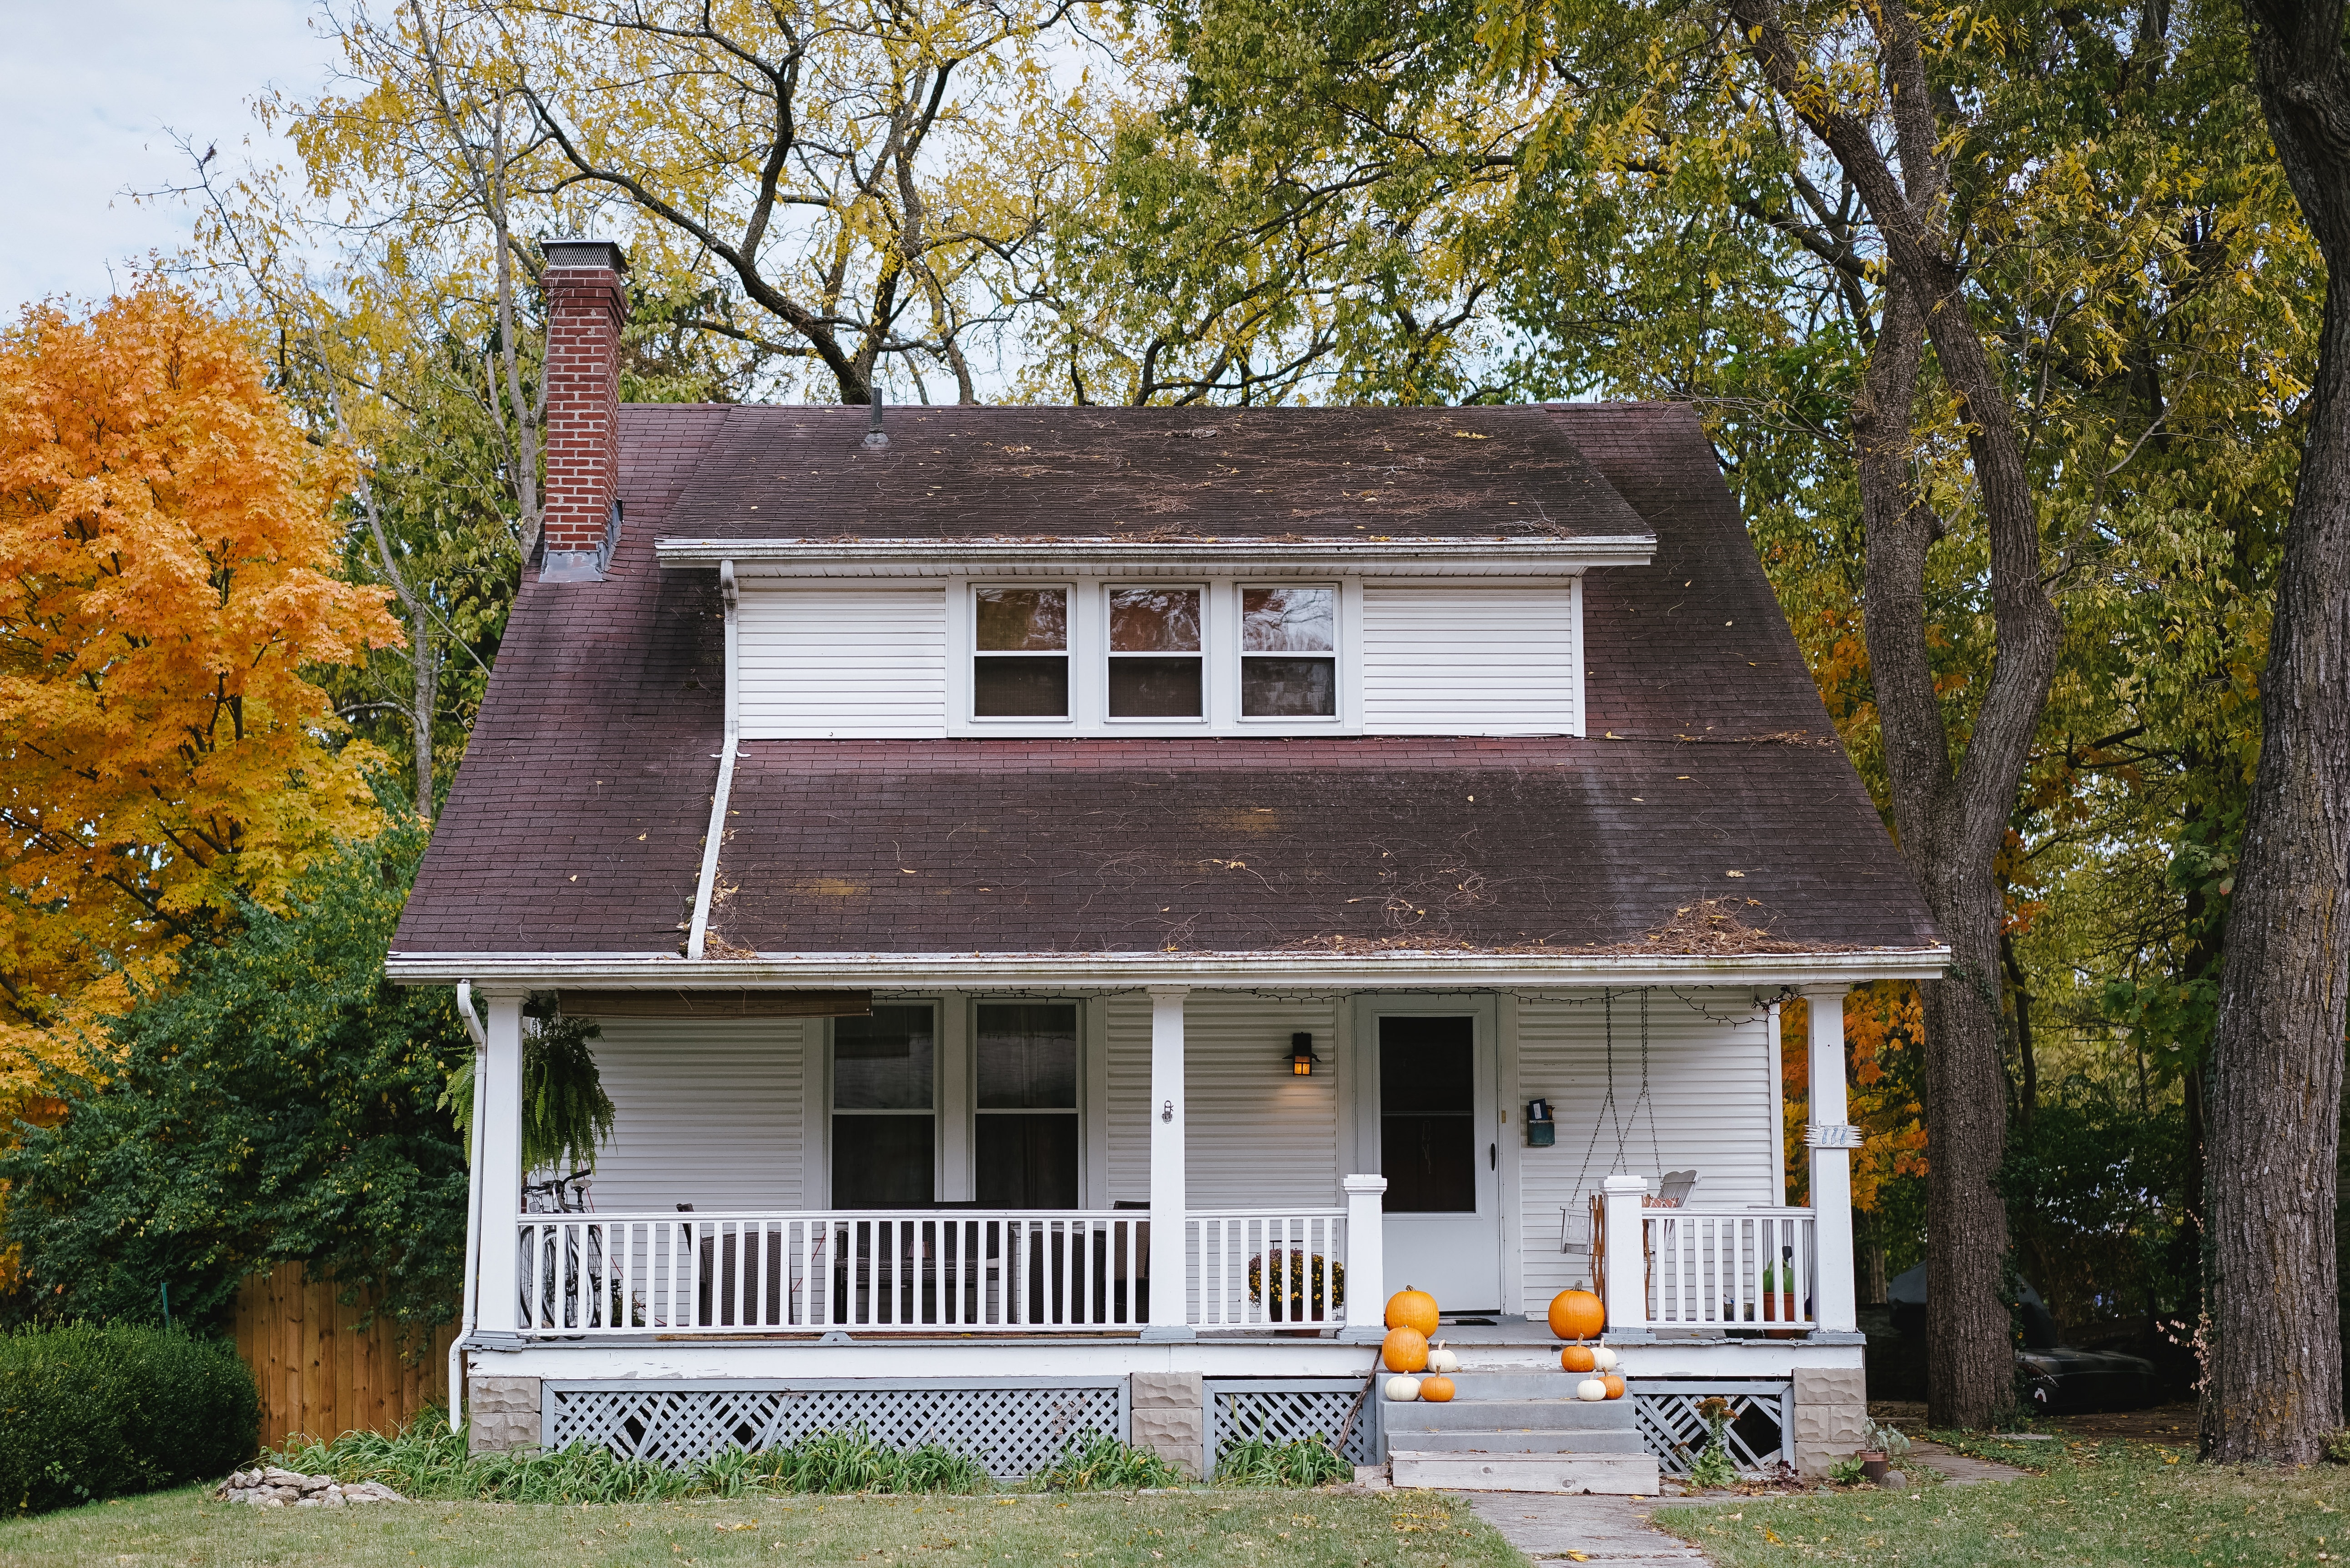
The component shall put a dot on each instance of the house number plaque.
(1834, 1135)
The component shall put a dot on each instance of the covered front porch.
(1242, 1176)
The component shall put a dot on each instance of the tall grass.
(427, 1460)
(1093, 1462)
(1302, 1462)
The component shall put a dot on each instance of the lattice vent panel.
(1012, 1432)
(1282, 1412)
(1671, 1428)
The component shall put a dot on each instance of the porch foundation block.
(1170, 1411)
(503, 1413)
(1831, 1416)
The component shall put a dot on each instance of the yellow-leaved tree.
(168, 541)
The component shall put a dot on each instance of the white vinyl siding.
(1260, 1137)
(1712, 1085)
(1441, 660)
(842, 662)
(705, 1112)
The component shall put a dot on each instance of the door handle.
(1493, 1156)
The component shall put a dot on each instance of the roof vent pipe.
(875, 436)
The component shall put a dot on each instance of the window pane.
(1027, 1056)
(1428, 1141)
(882, 1063)
(1154, 620)
(1289, 688)
(1027, 1162)
(1288, 621)
(882, 1162)
(1022, 619)
(1020, 688)
(1154, 687)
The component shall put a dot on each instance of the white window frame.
(965, 597)
(1206, 657)
(1341, 639)
(820, 1179)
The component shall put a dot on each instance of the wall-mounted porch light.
(1301, 1054)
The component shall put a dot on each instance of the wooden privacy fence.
(320, 1374)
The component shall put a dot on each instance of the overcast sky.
(88, 92)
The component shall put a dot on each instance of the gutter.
(707, 884)
(1503, 555)
(469, 1316)
(1304, 968)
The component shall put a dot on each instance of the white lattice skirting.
(1285, 1410)
(1761, 1411)
(1012, 1427)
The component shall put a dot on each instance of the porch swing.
(1578, 1218)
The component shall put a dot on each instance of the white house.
(1081, 903)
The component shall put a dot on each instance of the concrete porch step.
(1517, 1385)
(1520, 1441)
(1617, 1475)
(1488, 1414)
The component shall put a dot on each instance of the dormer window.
(1020, 668)
(1289, 641)
(1155, 654)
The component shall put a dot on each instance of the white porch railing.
(868, 1271)
(1267, 1269)
(1725, 1268)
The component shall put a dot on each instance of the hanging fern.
(565, 1113)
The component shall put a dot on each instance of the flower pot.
(1779, 1306)
(1873, 1465)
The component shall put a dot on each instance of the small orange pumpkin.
(1577, 1314)
(1437, 1390)
(1404, 1350)
(1615, 1386)
(1408, 1308)
(1577, 1358)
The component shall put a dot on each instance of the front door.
(1439, 1150)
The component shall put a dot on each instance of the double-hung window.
(1155, 653)
(1020, 664)
(883, 1124)
(1024, 1116)
(1289, 643)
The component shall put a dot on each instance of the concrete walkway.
(1548, 1527)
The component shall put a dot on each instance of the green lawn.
(2094, 1504)
(1242, 1529)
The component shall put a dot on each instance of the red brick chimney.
(586, 304)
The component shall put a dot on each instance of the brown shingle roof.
(575, 824)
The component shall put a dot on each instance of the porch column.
(497, 1109)
(1366, 1259)
(1627, 1280)
(1834, 1309)
(1171, 1292)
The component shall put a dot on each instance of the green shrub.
(89, 1411)
(1845, 1471)
(1094, 1463)
(2337, 1448)
(1302, 1462)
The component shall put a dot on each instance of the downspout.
(465, 1320)
(708, 879)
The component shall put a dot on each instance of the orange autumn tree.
(167, 546)
(1884, 1032)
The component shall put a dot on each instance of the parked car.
(2059, 1377)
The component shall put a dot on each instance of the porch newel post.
(1171, 1293)
(1834, 1308)
(498, 1106)
(1627, 1288)
(1366, 1259)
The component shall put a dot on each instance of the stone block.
(1831, 1416)
(503, 1414)
(1170, 1411)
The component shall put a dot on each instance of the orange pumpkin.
(1404, 1350)
(1412, 1309)
(1436, 1389)
(1577, 1358)
(1577, 1314)
(1615, 1386)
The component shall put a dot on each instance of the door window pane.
(1027, 1161)
(1428, 1134)
(1288, 621)
(1154, 620)
(1289, 688)
(1020, 688)
(882, 1063)
(882, 1162)
(1154, 689)
(1028, 1056)
(1023, 621)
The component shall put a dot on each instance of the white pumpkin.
(1442, 1360)
(1603, 1358)
(1591, 1389)
(1404, 1388)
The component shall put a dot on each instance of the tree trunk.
(2274, 1383)
(425, 699)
